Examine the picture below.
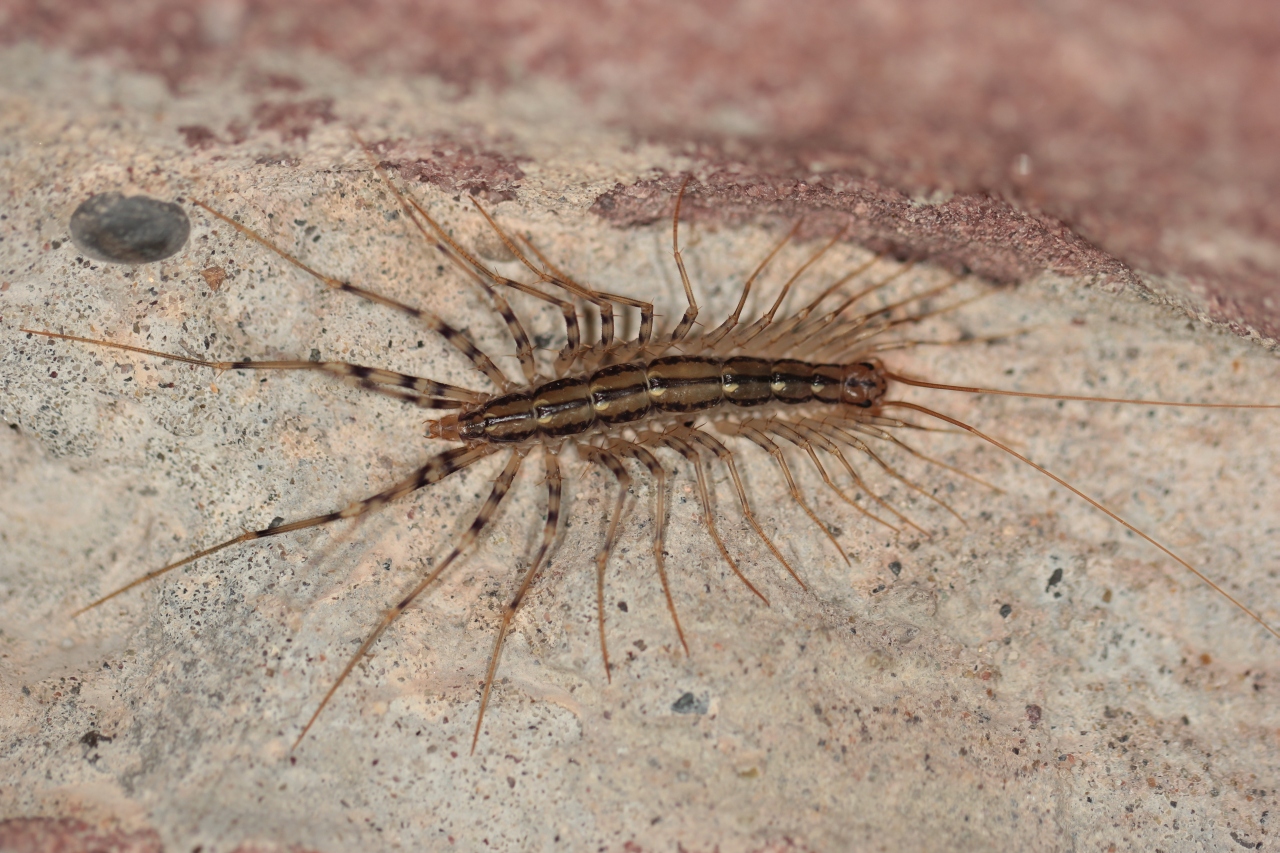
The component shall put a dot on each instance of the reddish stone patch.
(454, 166)
(65, 835)
(966, 232)
(294, 119)
(199, 137)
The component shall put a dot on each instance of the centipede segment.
(809, 384)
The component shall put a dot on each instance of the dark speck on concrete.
(92, 738)
(129, 229)
(690, 704)
(1054, 579)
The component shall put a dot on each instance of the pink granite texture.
(1134, 140)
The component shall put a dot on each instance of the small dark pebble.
(129, 229)
(91, 739)
(690, 704)
(1005, 610)
(1054, 579)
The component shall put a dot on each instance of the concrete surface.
(890, 707)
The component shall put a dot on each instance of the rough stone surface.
(1147, 127)
(1037, 679)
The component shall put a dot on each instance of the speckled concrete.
(892, 706)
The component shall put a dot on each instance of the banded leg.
(458, 339)
(893, 472)
(752, 432)
(836, 438)
(552, 466)
(799, 435)
(469, 265)
(890, 437)
(690, 313)
(695, 460)
(427, 393)
(725, 455)
(711, 339)
(436, 469)
(601, 299)
(789, 325)
(615, 465)
(556, 278)
(644, 457)
(573, 335)
(500, 488)
(750, 333)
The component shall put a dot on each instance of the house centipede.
(815, 373)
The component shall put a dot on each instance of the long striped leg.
(725, 455)
(573, 335)
(464, 261)
(893, 472)
(745, 336)
(600, 298)
(603, 301)
(469, 264)
(690, 313)
(615, 465)
(790, 324)
(552, 465)
(436, 469)
(752, 432)
(426, 393)
(890, 437)
(457, 338)
(500, 488)
(837, 438)
(804, 438)
(695, 460)
(635, 451)
(819, 333)
(716, 335)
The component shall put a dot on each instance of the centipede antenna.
(969, 389)
(1098, 505)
